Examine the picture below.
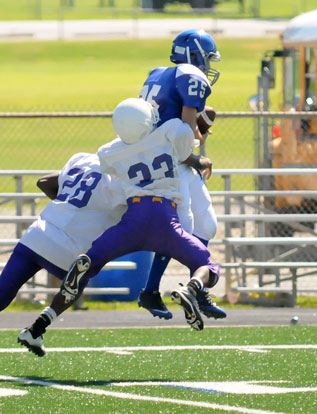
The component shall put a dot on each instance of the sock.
(46, 318)
(195, 284)
(157, 269)
(48, 311)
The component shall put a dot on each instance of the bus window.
(291, 78)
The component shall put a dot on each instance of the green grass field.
(96, 76)
(90, 9)
(27, 305)
(261, 370)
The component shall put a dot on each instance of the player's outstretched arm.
(200, 162)
(49, 185)
(189, 116)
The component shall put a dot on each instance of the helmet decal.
(180, 50)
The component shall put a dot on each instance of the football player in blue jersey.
(181, 92)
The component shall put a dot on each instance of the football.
(205, 119)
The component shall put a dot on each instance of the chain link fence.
(47, 140)
(240, 140)
(96, 9)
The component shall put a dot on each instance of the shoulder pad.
(191, 70)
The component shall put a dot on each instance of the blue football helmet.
(197, 48)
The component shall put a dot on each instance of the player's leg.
(150, 297)
(186, 296)
(20, 267)
(114, 242)
(205, 227)
(205, 220)
(71, 289)
(32, 337)
(23, 264)
(192, 253)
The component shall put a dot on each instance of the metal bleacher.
(261, 245)
(235, 266)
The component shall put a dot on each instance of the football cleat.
(152, 301)
(208, 307)
(185, 297)
(34, 345)
(70, 285)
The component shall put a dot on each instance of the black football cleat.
(185, 297)
(70, 284)
(152, 301)
(208, 307)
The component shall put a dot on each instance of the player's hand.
(201, 163)
(207, 173)
(205, 167)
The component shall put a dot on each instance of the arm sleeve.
(105, 154)
(182, 137)
(193, 90)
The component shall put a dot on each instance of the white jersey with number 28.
(88, 202)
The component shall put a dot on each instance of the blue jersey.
(169, 89)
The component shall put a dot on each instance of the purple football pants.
(21, 266)
(150, 223)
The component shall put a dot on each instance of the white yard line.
(249, 387)
(129, 396)
(7, 392)
(129, 349)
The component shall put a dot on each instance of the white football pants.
(196, 213)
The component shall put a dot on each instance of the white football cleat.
(34, 345)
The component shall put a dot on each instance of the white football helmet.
(133, 119)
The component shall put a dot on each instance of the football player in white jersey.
(181, 92)
(145, 160)
(86, 202)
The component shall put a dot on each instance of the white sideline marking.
(227, 387)
(128, 396)
(8, 392)
(129, 349)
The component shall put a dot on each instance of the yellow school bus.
(295, 142)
